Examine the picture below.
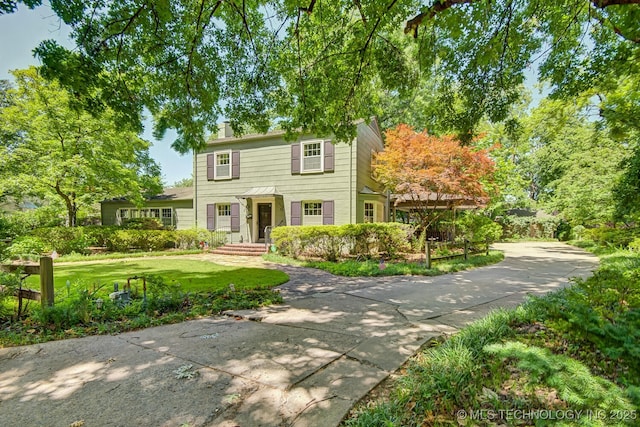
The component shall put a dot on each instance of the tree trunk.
(70, 203)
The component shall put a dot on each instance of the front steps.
(242, 249)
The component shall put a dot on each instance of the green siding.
(267, 163)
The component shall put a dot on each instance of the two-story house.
(257, 181)
(244, 184)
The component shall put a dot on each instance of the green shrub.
(612, 237)
(64, 240)
(603, 310)
(635, 245)
(9, 283)
(142, 224)
(190, 239)
(478, 228)
(163, 297)
(98, 235)
(77, 307)
(23, 222)
(27, 246)
(330, 242)
(578, 232)
(518, 227)
(146, 240)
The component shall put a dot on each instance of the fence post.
(428, 253)
(46, 281)
(487, 246)
(466, 249)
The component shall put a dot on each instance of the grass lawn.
(192, 275)
(203, 291)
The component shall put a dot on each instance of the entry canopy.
(259, 192)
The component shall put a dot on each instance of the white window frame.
(216, 174)
(124, 214)
(374, 152)
(372, 216)
(163, 217)
(303, 145)
(223, 210)
(307, 208)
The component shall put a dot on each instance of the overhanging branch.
(413, 24)
(606, 3)
(439, 6)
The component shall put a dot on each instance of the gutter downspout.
(351, 214)
(195, 190)
(388, 206)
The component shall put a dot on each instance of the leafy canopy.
(319, 65)
(565, 161)
(67, 154)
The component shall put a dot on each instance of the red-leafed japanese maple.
(432, 173)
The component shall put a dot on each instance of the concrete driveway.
(301, 364)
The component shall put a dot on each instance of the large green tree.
(319, 65)
(565, 161)
(68, 154)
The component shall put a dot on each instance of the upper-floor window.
(222, 164)
(312, 156)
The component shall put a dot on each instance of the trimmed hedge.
(331, 242)
(146, 240)
(66, 240)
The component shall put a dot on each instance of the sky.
(22, 31)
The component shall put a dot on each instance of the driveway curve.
(304, 363)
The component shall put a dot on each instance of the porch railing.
(220, 236)
(267, 237)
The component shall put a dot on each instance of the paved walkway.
(302, 364)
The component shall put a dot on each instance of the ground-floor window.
(369, 212)
(167, 217)
(312, 213)
(223, 215)
(224, 210)
(164, 215)
(373, 212)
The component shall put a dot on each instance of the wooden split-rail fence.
(45, 269)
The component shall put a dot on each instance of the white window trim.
(302, 145)
(133, 213)
(218, 208)
(215, 164)
(304, 208)
(364, 211)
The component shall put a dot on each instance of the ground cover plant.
(175, 291)
(381, 267)
(569, 358)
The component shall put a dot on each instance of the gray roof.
(170, 193)
(175, 193)
(259, 192)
